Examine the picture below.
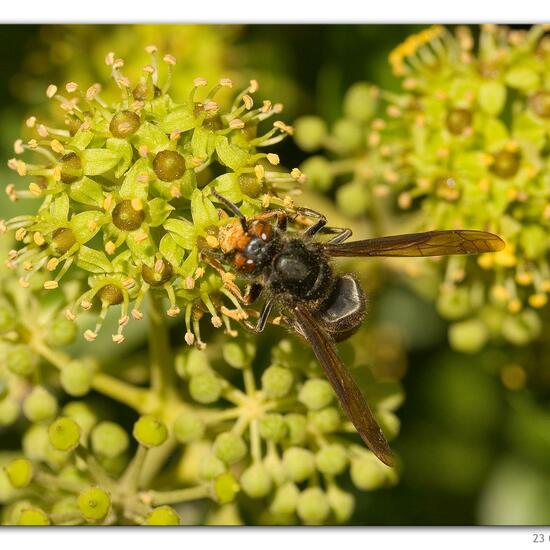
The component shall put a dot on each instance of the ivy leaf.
(124, 150)
(157, 211)
(141, 245)
(228, 186)
(203, 211)
(98, 161)
(59, 209)
(180, 120)
(231, 155)
(150, 136)
(182, 231)
(170, 249)
(81, 140)
(86, 225)
(136, 182)
(92, 260)
(87, 191)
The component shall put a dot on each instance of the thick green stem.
(179, 495)
(130, 479)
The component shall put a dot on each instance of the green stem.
(179, 495)
(130, 479)
(94, 468)
(155, 460)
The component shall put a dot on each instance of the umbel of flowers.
(125, 193)
(464, 144)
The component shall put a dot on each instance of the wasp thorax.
(169, 165)
(71, 167)
(250, 185)
(506, 164)
(540, 104)
(458, 120)
(63, 240)
(110, 294)
(159, 274)
(124, 124)
(126, 217)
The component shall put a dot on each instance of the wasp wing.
(344, 385)
(432, 243)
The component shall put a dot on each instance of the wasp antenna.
(231, 206)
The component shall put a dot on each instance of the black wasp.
(294, 273)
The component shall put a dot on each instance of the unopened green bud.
(19, 472)
(191, 362)
(9, 411)
(319, 172)
(360, 102)
(21, 360)
(341, 503)
(348, 134)
(285, 500)
(157, 277)
(367, 473)
(522, 328)
(230, 447)
(310, 132)
(110, 294)
(109, 439)
(150, 431)
(169, 165)
(163, 515)
(239, 354)
(327, 420)
(124, 124)
(40, 405)
(126, 217)
(352, 199)
(205, 388)
(273, 427)
(331, 459)
(76, 378)
(36, 442)
(313, 507)
(468, 336)
(64, 434)
(71, 168)
(277, 381)
(82, 413)
(299, 463)
(226, 488)
(94, 504)
(33, 516)
(454, 303)
(188, 427)
(61, 332)
(66, 508)
(211, 467)
(316, 394)
(256, 481)
(297, 426)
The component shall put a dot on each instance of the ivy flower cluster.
(464, 144)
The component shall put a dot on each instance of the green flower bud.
(297, 426)
(126, 217)
(225, 488)
(352, 199)
(110, 294)
(150, 432)
(9, 411)
(313, 507)
(205, 388)
(273, 427)
(367, 473)
(539, 103)
(506, 164)
(124, 124)
(239, 354)
(64, 434)
(94, 504)
(360, 102)
(285, 500)
(522, 328)
(458, 120)
(188, 427)
(7, 318)
(256, 481)
(40, 405)
(277, 381)
(155, 277)
(71, 168)
(76, 378)
(19, 472)
(331, 459)
(299, 463)
(21, 360)
(316, 394)
(310, 132)
(326, 420)
(341, 503)
(63, 239)
(468, 336)
(169, 165)
(66, 506)
(211, 467)
(191, 362)
(82, 413)
(454, 303)
(230, 447)
(61, 332)
(163, 515)
(35, 443)
(33, 516)
(348, 134)
(319, 172)
(109, 439)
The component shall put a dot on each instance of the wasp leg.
(317, 226)
(282, 218)
(262, 319)
(342, 234)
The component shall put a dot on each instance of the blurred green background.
(474, 452)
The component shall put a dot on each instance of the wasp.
(293, 271)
